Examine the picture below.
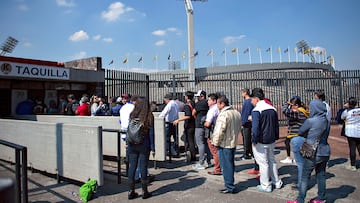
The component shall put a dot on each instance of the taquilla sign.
(33, 71)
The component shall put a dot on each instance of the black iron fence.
(279, 86)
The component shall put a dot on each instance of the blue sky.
(64, 30)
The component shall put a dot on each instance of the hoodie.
(315, 126)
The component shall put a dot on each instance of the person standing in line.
(189, 126)
(296, 113)
(200, 111)
(246, 129)
(209, 124)
(125, 112)
(83, 109)
(351, 116)
(314, 128)
(225, 138)
(139, 153)
(265, 131)
(170, 113)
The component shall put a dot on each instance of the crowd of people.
(211, 130)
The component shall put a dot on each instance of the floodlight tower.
(304, 48)
(190, 27)
(8, 46)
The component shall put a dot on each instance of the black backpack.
(135, 133)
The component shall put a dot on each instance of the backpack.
(87, 189)
(135, 132)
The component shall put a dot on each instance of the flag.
(169, 57)
(111, 62)
(258, 49)
(246, 50)
(223, 52)
(155, 58)
(234, 50)
(196, 53)
(286, 50)
(295, 49)
(210, 52)
(268, 49)
(279, 49)
(140, 59)
(307, 51)
(183, 56)
(125, 60)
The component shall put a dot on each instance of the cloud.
(159, 32)
(166, 31)
(318, 50)
(107, 39)
(23, 7)
(27, 44)
(65, 3)
(96, 37)
(232, 39)
(79, 36)
(79, 55)
(114, 11)
(160, 43)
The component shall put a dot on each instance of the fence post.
(287, 85)
(230, 89)
(340, 89)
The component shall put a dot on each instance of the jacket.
(315, 126)
(265, 124)
(227, 128)
(295, 119)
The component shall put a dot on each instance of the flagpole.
(271, 56)
(259, 50)
(225, 56)
(288, 54)
(249, 55)
(296, 54)
(303, 54)
(212, 58)
(237, 56)
(279, 50)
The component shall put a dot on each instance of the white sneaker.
(199, 166)
(279, 184)
(287, 160)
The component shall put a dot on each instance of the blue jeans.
(296, 143)
(138, 154)
(227, 164)
(319, 164)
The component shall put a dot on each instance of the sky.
(150, 30)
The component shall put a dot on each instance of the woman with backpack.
(139, 152)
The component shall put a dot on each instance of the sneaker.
(317, 201)
(287, 160)
(261, 189)
(351, 168)
(209, 165)
(279, 184)
(292, 201)
(199, 166)
(254, 172)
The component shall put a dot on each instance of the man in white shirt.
(170, 113)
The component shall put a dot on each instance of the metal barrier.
(21, 186)
(118, 156)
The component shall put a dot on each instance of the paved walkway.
(178, 182)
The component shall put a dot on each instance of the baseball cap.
(200, 93)
(118, 100)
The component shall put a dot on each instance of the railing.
(118, 156)
(21, 186)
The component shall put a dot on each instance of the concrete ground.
(178, 182)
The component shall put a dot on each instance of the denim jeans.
(227, 163)
(319, 164)
(138, 154)
(296, 143)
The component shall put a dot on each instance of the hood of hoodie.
(317, 108)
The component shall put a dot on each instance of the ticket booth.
(22, 79)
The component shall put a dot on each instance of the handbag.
(134, 132)
(307, 150)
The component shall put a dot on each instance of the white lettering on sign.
(33, 71)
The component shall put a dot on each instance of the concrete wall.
(109, 138)
(72, 151)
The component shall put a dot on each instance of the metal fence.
(278, 86)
